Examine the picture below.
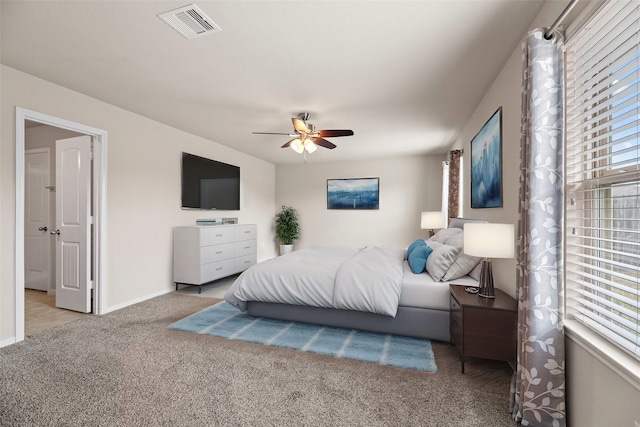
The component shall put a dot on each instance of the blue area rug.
(224, 320)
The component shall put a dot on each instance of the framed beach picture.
(353, 193)
(486, 164)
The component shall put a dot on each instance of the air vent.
(190, 21)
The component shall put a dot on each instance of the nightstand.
(483, 327)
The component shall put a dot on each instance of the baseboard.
(137, 300)
(7, 342)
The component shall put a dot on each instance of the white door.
(37, 200)
(73, 224)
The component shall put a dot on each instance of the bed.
(374, 288)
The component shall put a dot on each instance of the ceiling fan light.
(297, 146)
(310, 146)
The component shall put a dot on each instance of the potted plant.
(287, 228)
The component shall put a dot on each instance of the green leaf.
(287, 226)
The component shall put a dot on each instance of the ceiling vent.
(190, 21)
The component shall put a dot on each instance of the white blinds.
(603, 174)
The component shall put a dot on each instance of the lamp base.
(486, 280)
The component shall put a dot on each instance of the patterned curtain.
(538, 388)
(454, 182)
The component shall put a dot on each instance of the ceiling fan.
(306, 137)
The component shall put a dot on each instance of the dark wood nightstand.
(483, 327)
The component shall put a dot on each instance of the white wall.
(143, 190)
(596, 395)
(504, 92)
(408, 186)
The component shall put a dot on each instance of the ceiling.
(404, 75)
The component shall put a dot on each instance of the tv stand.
(202, 254)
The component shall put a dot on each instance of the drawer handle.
(246, 232)
(247, 262)
(218, 253)
(218, 235)
(247, 247)
(219, 268)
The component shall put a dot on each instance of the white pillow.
(475, 273)
(464, 263)
(444, 235)
(440, 259)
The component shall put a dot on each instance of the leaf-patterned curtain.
(454, 183)
(538, 388)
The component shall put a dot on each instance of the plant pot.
(285, 249)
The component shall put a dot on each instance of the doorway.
(98, 208)
(42, 308)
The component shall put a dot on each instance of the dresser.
(202, 254)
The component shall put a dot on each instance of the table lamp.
(488, 241)
(432, 220)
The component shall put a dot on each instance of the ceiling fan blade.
(270, 133)
(300, 126)
(334, 133)
(324, 143)
(288, 143)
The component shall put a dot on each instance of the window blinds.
(603, 175)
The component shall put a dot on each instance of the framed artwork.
(486, 164)
(353, 193)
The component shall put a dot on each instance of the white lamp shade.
(310, 146)
(297, 145)
(431, 220)
(489, 240)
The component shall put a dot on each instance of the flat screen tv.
(208, 184)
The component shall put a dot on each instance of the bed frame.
(409, 321)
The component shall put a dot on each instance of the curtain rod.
(549, 33)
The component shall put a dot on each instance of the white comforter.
(362, 279)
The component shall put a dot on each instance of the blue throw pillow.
(414, 245)
(418, 258)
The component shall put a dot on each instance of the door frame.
(99, 205)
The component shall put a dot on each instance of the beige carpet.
(126, 369)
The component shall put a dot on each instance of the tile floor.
(41, 313)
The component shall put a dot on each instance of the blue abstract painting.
(356, 193)
(486, 164)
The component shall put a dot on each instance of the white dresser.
(202, 254)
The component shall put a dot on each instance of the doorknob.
(43, 228)
(57, 232)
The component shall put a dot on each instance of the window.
(461, 188)
(445, 189)
(602, 230)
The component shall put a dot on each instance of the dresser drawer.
(216, 270)
(455, 332)
(247, 247)
(216, 235)
(216, 253)
(245, 232)
(493, 335)
(202, 254)
(244, 262)
(455, 310)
